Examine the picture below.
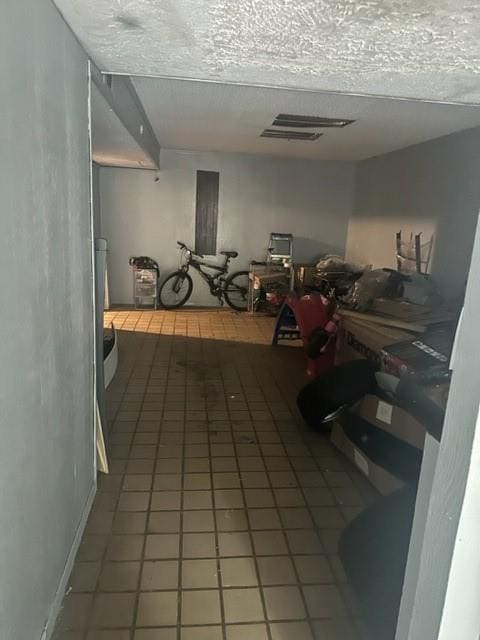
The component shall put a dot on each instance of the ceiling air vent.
(288, 120)
(290, 135)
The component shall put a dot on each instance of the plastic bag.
(371, 285)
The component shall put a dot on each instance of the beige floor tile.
(117, 634)
(246, 632)
(164, 522)
(314, 478)
(202, 633)
(69, 635)
(259, 498)
(75, 612)
(198, 521)
(196, 481)
(277, 463)
(197, 500)
(283, 479)
(238, 572)
(314, 569)
(197, 465)
(119, 576)
(196, 451)
(201, 607)
(168, 466)
(304, 541)
(125, 547)
(254, 479)
(242, 605)
(134, 501)
(84, 576)
(264, 519)
(276, 570)
(231, 544)
(284, 603)
(100, 522)
(162, 546)
(229, 480)
(137, 482)
(289, 497)
(228, 499)
(166, 500)
(198, 574)
(250, 464)
(231, 520)
(296, 518)
(157, 609)
(199, 545)
(113, 610)
(140, 466)
(159, 575)
(156, 634)
(167, 482)
(268, 543)
(291, 631)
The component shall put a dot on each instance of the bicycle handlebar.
(182, 245)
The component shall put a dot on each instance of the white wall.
(312, 200)
(46, 346)
(432, 187)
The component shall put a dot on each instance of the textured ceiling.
(112, 145)
(427, 49)
(214, 117)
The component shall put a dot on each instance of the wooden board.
(206, 212)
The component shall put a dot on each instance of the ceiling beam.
(121, 96)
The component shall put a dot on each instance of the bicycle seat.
(229, 254)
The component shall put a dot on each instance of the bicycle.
(177, 287)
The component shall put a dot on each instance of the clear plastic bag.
(371, 285)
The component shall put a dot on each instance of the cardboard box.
(381, 479)
(391, 419)
(358, 339)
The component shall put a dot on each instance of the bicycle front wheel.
(236, 290)
(175, 290)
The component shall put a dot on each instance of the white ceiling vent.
(306, 136)
(309, 122)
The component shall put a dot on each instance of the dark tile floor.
(221, 514)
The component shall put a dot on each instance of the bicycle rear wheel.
(236, 290)
(175, 290)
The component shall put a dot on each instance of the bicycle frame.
(213, 280)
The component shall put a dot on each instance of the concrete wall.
(46, 346)
(312, 200)
(432, 187)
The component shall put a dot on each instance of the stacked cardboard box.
(381, 479)
(362, 339)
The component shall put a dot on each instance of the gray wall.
(258, 195)
(46, 346)
(432, 187)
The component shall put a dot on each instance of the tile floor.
(221, 514)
